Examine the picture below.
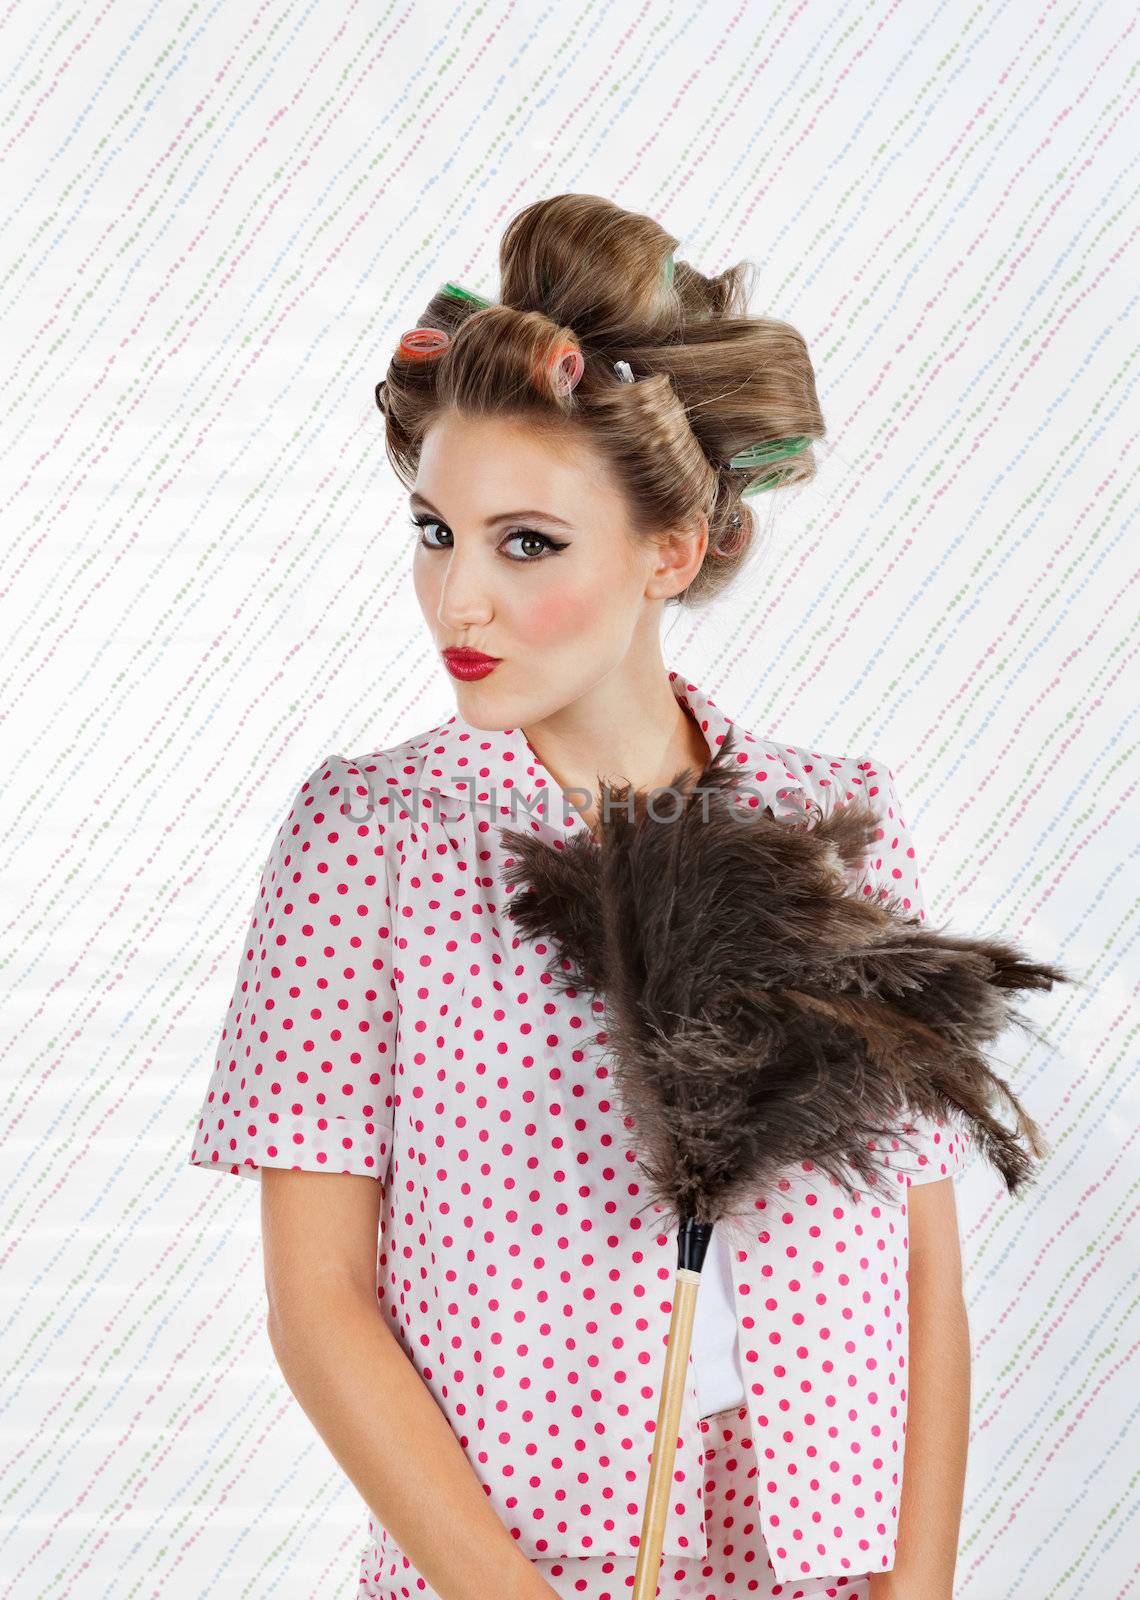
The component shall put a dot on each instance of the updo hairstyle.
(585, 283)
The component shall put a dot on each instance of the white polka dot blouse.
(388, 1020)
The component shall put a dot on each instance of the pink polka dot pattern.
(305, 1068)
(387, 1020)
(737, 1566)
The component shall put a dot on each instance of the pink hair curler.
(569, 379)
(564, 380)
(420, 342)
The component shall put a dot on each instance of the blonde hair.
(579, 272)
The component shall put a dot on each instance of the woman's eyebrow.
(416, 499)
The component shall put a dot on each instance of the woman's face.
(525, 553)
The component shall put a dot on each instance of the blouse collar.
(484, 767)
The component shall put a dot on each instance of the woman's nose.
(463, 597)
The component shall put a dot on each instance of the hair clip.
(454, 291)
(624, 371)
(419, 342)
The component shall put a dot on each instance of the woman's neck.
(646, 744)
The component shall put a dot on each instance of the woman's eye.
(535, 544)
(543, 541)
(427, 522)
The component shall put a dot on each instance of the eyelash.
(515, 533)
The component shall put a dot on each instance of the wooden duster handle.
(665, 1438)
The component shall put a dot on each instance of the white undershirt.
(720, 1381)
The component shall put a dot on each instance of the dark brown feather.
(759, 1011)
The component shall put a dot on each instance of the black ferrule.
(693, 1243)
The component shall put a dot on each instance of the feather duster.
(760, 1013)
(759, 1010)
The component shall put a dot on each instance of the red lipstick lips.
(468, 664)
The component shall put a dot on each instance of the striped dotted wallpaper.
(218, 220)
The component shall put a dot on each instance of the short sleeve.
(305, 1070)
(892, 869)
(938, 1148)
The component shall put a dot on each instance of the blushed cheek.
(561, 614)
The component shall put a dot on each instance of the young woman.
(466, 1294)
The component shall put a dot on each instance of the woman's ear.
(680, 552)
